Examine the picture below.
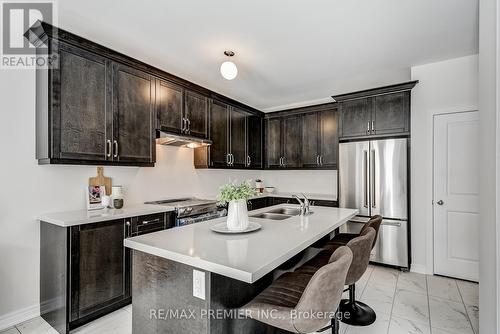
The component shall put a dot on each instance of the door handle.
(365, 176)
(115, 149)
(108, 148)
(372, 176)
(440, 202)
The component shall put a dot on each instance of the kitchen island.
(191, 279)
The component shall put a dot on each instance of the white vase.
(237, 215)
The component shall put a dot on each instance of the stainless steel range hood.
(165, 138)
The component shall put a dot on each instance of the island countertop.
(245, 257)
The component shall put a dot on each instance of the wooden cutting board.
(101, 180)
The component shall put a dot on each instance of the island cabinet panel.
(238, 138)
(161, 284)
(100, 268)
(133, 110)
(255, 141)
(169, 107)
(81, 113)
(196, 113)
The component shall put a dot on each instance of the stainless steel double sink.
(278, 214)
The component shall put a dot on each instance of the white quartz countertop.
(80, 217)
(313, 196)
(245, 257)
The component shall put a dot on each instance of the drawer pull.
(145, 222)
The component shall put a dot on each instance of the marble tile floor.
(405, 303)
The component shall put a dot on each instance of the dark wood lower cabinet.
(99, 269)
(85, 271)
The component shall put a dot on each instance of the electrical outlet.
(199, 284)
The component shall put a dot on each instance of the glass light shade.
(228, 70)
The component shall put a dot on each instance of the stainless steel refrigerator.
(373, 177)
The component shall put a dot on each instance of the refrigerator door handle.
(365, 176)
(372, 177)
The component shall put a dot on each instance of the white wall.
(307, 181)
(447, 86)
(489, 191)
(29, 190)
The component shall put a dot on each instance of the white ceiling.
(288, 52)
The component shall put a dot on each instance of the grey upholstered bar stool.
(343, 238)
(290, 300)
(353, 312)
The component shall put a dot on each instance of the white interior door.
(456, 185)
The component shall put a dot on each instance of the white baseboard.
(16, 317)
(418, 268)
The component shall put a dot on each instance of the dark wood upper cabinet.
(133, 110)
(219, 134)
(391, 113)
(356, 118)
(238, 137)
(196, 114)
(254, 141)
(169, 106)
(378, 112)
(232, 144)
(292, 141)
(80, 123)
(100, 267)
(274, 143)
(311, 140)
(329, 138)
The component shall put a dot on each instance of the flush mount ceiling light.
(228, 69)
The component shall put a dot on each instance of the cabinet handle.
(228, 159)
(368, 128)
(183, 127)
(317, 160)
(115, 149)
(108, 148)
(249, 161)
(232, 159)
(145, 222)
(284, 161)
(188, 125)
(373, 127)
(281, 161)
(321, 160)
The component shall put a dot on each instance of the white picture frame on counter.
(93, 196)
